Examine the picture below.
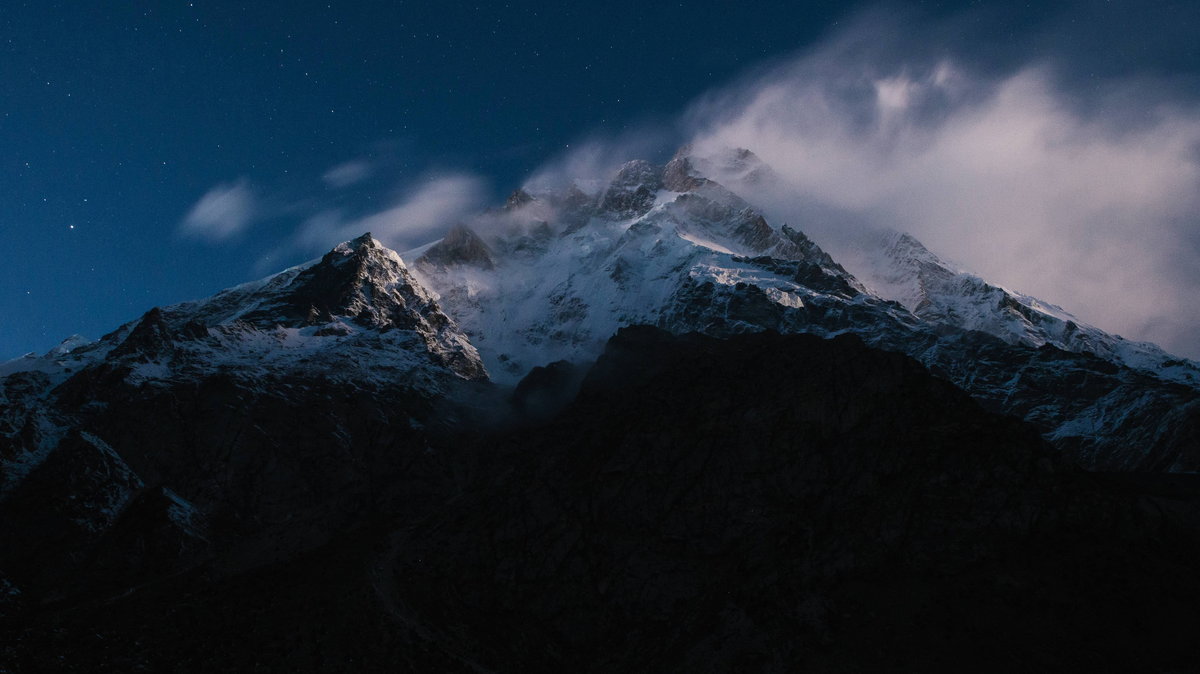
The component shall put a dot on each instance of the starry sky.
(152, 153)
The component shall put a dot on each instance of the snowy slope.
(898, 267)
(552, 290)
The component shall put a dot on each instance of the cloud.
(1088, 202)
(347, 173)
(420, 215)
(222, 212)
(591, 162)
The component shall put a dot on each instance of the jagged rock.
(805, 249)
(149, 340)
(632, 192)
(678, 176)
(461, 245)
(731, 166)
(517, 199)
(360, 280)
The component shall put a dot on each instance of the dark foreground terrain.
(764, 503)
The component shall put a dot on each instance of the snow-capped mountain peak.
(554, 273)
(673, 246)
(354, 310)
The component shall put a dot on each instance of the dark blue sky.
(115, 118)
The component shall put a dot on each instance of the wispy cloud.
(592, 161)
(422, 212)
(1094, 204)
(222, 212)
(347, 173)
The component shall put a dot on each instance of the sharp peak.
(896, 239)
(461, 245)
(690, 169)
(364, 250)
(366, 241)
(363, 246)
(460, 234)
(518, 198)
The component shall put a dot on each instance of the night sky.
(117, 119)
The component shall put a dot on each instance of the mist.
(1089, 201)
(423, 211)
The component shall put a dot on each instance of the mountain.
(269, 407)
(630, 426)
(670, 246)
(764, 503)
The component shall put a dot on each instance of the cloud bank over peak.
(1027, 170)
(1092, 204)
